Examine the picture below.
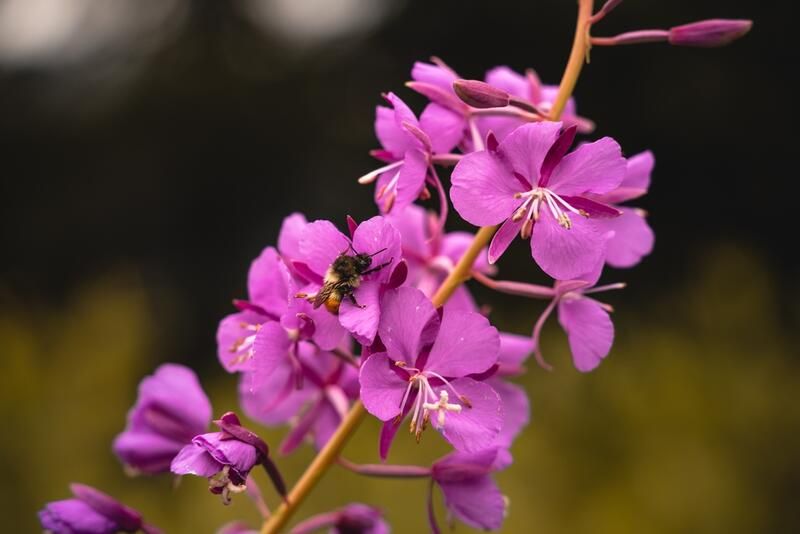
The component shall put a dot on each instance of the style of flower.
(432, 254)
(632, 237)
(469, 492)
(355, 518)
(226, 458)
(322, 243)
(534, 188)
(407, 145)
(170, 410)
(425, 369)
(315, 410)
(91, 511)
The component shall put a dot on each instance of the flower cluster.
(376, 317)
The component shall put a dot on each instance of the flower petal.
(566, 253)
(194, 460)
(411, 179)
(412, 223)
(589, 330)
(74, 516)
(593, 167)
(483, 189)
(266, 281)
(374, 235)
(290, 235)
(473, 428)
(362, 320)
(476, 501)
(382, 389)
(321, 244)
(409, 323)
(525, 149)
(434, 75)
(633, 238)
(638, 170)
(503, 238)
(233, 354)
(466, 344)
(516, 410)
(146, 451)
(508, 80)
(514, 350)
(444, 127)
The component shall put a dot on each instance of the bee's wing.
(323, 294)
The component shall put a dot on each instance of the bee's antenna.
(376, 253)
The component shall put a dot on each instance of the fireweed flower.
(226, 458)
(170, 410)
(91, 512)
(534, 188)
(469, 492)
(315, 410)
(432, 254)
(514, 350)
(632, 237)
(407, 145)
(425, 367)
(355, 518)
(322, 243)
(273, 322)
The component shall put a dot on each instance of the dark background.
(160, 166)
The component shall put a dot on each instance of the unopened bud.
(709, 33)
(480, 95)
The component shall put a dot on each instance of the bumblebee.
(342, 278)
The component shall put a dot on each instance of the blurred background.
(150, 148)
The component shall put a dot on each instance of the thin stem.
(318, 467)
(460, 274)
(577, 57)
(386, 470)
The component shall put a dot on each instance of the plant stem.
(460, 274)
(576, 59)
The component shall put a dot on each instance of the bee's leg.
(378, 268)
(356, 304)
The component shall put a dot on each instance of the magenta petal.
(391, 136)
(434, 75)
(593, 167)
(503, 238)
(145, 451)
(594, 209)
(638, 170)
(195, 460)
(412, 178)
(377, 234)
(382, 389)
(466, 344)
(411, 223)
(290, 235)
(70, 516)
(233, 330)
(388, 432)
(633, 238)
(473, 428)
(444, 127)
(270, 348)
(266, 281)
(409, 323)
(325, 425)
(476, 501)
(273, 399)
(328, 333)
(508, 80)
(455, 244)
(321, 244)
(175, 391)
(301, 428)
(483, 189)
(362, 320)
(566, 253)
(589, 330)
(516, 409)
(556, 154)
(526, 147)
(514, 350)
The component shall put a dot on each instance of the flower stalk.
(460, 274)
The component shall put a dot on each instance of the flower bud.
(480, 95)
(709, 33)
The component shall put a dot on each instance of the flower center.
(543, 198)
(427, 402)
(243, 347)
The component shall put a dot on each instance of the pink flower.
(355, 518)
(632, 237)
(322, 243)
(407, 145)
(534, 188)
(469, 492)
(425, 369)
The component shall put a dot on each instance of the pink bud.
(480, 95)
(709, 33)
